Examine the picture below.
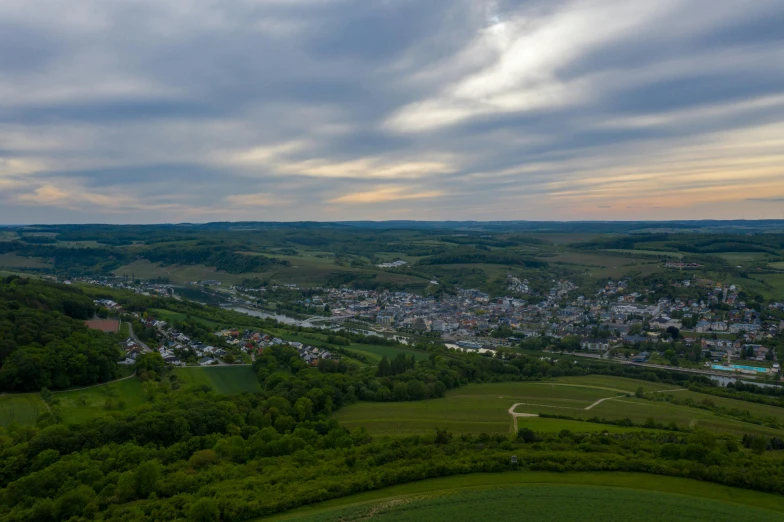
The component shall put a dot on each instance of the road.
(651, 365)
(136, 339)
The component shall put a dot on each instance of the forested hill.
(43, 339)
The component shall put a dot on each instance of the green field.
(550, 497)
(21, 409)
(14, 261)
(143, 269)
(645, 252)
(743, 258)
(375, 353)
(778, 265)
(223, 379)
(170, 317)
(89, 403)
(76, 405)
(483, 408)
(603, 266)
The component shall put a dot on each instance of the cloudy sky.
(143, 111)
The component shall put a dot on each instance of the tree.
(759, 445)
(304, 408)
(204, 510)
(146, 478)
(416, 390)
(674, 332)
(527, 435)
(640, 393)
(442, 436)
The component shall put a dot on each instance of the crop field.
(620, 384)
(483, 408)
(477, 408)
(645, 252)
(143, 269)
(223, 379)
(89, 403)
(778, 265)
(551, 497)
(743, 258)
(771, 286)
(21, 409)
(375, 353)
(14, 261)
(603, 266)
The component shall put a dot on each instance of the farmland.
(375, 353)
(483, 408)
(223, 379)
(143, 269)
(658, 253)
(549, 497)
(13, 260)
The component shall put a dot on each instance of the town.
(623, 320)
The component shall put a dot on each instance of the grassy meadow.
(223, 379)
(550, 497)
(89, 403)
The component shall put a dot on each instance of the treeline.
(473, 255)
(693, 243)
(221, 258)
(44, 341)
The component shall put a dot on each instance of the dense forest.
(43, 339)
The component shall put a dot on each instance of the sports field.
(223, 379)
(484, 408)
(551, 497)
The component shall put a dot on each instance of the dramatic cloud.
(192, 110)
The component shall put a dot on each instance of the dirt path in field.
(96, 385)
(602, 400)
(625, 393)
(582, 386)
(516, 415)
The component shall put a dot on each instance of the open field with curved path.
(485, 408)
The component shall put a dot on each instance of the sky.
(150, 111)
